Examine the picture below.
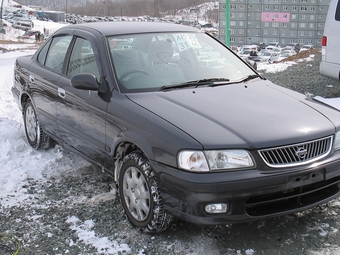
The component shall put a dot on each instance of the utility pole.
(2, 4)
(227, 22)
(156, 10)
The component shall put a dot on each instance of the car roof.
(131, 27)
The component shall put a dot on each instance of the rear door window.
(57, 52)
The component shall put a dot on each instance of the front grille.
(297, 154)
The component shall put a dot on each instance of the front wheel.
(140, 195)
(34, 133)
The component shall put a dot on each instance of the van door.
(330, 65)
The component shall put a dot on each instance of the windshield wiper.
(250, 77)
(196, 83)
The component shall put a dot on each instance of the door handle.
(61, 93)
(31, 78)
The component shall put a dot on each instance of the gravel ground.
(66, 206)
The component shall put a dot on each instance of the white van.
(330, 64)
(23, 25)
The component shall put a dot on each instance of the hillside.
(115, 8)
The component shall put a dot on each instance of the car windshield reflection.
(148, 62)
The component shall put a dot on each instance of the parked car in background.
(273, 44)
(269, 56)
(244, 53)
(260, 46)
(293, 46)
(330, 64)
(206, 144)
(289, 52)
(283, 56)
(307, 47)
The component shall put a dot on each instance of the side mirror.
(87, 81)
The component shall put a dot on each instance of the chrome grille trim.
(297, 154)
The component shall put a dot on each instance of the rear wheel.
(140, 195)
(34, 133)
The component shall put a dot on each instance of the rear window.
(337, 12)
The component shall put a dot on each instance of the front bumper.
(250, 194)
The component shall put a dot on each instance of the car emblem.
(301, 152)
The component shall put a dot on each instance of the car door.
(44, 75)
(81, 113)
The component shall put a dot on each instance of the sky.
(20, 163)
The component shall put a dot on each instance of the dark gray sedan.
(184, 126)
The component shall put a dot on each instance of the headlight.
(337, 141)
(205, 161)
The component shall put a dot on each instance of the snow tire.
(140, 195)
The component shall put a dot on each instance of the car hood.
(257, 114)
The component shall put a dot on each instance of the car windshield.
(148, 62)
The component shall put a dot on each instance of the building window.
(292, 25)
(303, 16)
(233, 23)
(312, 8)
(275, 24)
(265, 32)
(276, 16)
(293, 16)
(266, 7)
(294, 8)
(302, 25)
(276, 7)
(303, 8)
(304, 1)
(311, 33)
(274, 32)
(284, 24)
(285, 8)
(311, 17)
(241, 23)
(266, 15)
(266, 24)
(311, 25)
(240, 31)
(233, 6)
